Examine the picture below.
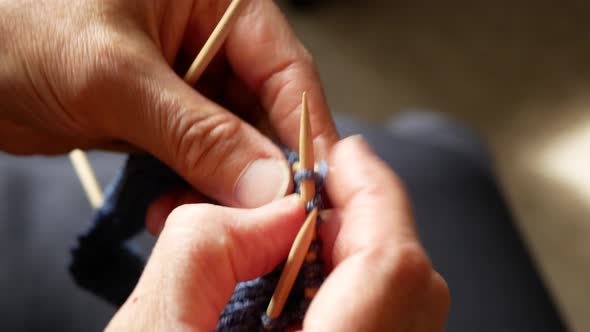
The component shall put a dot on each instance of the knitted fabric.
(104, 262)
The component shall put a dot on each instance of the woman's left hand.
(202, 253)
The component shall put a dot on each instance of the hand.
(381, 279)
(98, 74)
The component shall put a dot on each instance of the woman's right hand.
(382, 279)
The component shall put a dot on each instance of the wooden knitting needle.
(306, 234)
(79, 159)
(292, 266)
(306, 156)
(87, 178)
(214, 42)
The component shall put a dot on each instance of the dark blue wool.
(104, 263)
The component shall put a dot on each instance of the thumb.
(218, 153)
(202, 252)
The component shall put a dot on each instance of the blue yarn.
(306, 174)
(104, 263)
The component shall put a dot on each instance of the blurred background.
(517, 71)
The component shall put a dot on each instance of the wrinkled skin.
(100, 73)
(105, 73)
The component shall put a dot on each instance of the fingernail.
(263, 181)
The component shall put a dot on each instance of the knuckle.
(202, 227)
(190, 215)
(204, 141)
(413, 265)
(178, 216)
(304, 67)
(325, 130)
(405, 267)
(308, 60)
(441, 290)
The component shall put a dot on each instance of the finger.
(387, 291)
(370, 200)
(437, 303)
(204, 250)
(219, 154)
(373, 245)
(159, 210)
(264, 52)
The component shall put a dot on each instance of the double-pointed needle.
(306, 234)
